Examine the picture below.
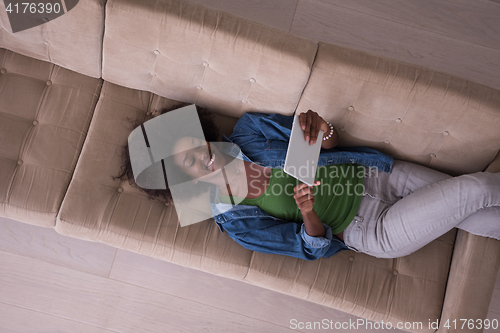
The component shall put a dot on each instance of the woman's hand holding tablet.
(311, 123)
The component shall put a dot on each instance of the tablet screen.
(302, 158)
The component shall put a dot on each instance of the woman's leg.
(404, 211)
(485, 222)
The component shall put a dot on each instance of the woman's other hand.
(311, 123)
(304, 198)
(303, 195)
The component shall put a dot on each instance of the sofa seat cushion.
(101, 208)
(198, 55)
(45, 112)
(402, 290)
(72, 41)
(412, 113)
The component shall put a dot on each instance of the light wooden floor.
(52, 284)
(460, 37)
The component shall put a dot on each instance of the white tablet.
(301, 158)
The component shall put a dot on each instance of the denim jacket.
(263, 139)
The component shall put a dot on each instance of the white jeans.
(407, 209)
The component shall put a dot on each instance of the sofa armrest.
(471, 281)
(495, 165)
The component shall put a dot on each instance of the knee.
(480, 183)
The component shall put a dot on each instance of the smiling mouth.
(211, 161)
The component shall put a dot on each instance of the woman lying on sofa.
(400, 208)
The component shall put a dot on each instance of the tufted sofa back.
(409, 112)
(72, 41)
(193, 54)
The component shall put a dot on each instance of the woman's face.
(193, 157)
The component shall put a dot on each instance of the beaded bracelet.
(331, 132)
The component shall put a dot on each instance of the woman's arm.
(267, 234)
(278, 127)
(304, 198)
(270, 126)
(313, 225)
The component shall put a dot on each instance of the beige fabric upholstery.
(189, 53)
(99, 208)
(473, 273)
(45, 112)
(495, 165)
(72, 41)
(392, 290)
(409, 112)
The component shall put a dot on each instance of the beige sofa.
(70, 88)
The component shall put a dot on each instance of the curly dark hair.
(211, 133)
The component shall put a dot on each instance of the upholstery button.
(446, 133)
(35, 122)
(157, 52)
(252, 80)
(48, 82)
(399, 120)
(244, 101)
(342, 129)
(153, 74)
(351, 258)
(148, 113)
(47, 43)
(433, 155)
(120, 189)
(395, 272)
(199, 88)
(351, 108)
(20, 162)
(205, 64)
(3, 71)
(167, 204)
(387, 141)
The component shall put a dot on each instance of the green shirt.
(337, 199)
